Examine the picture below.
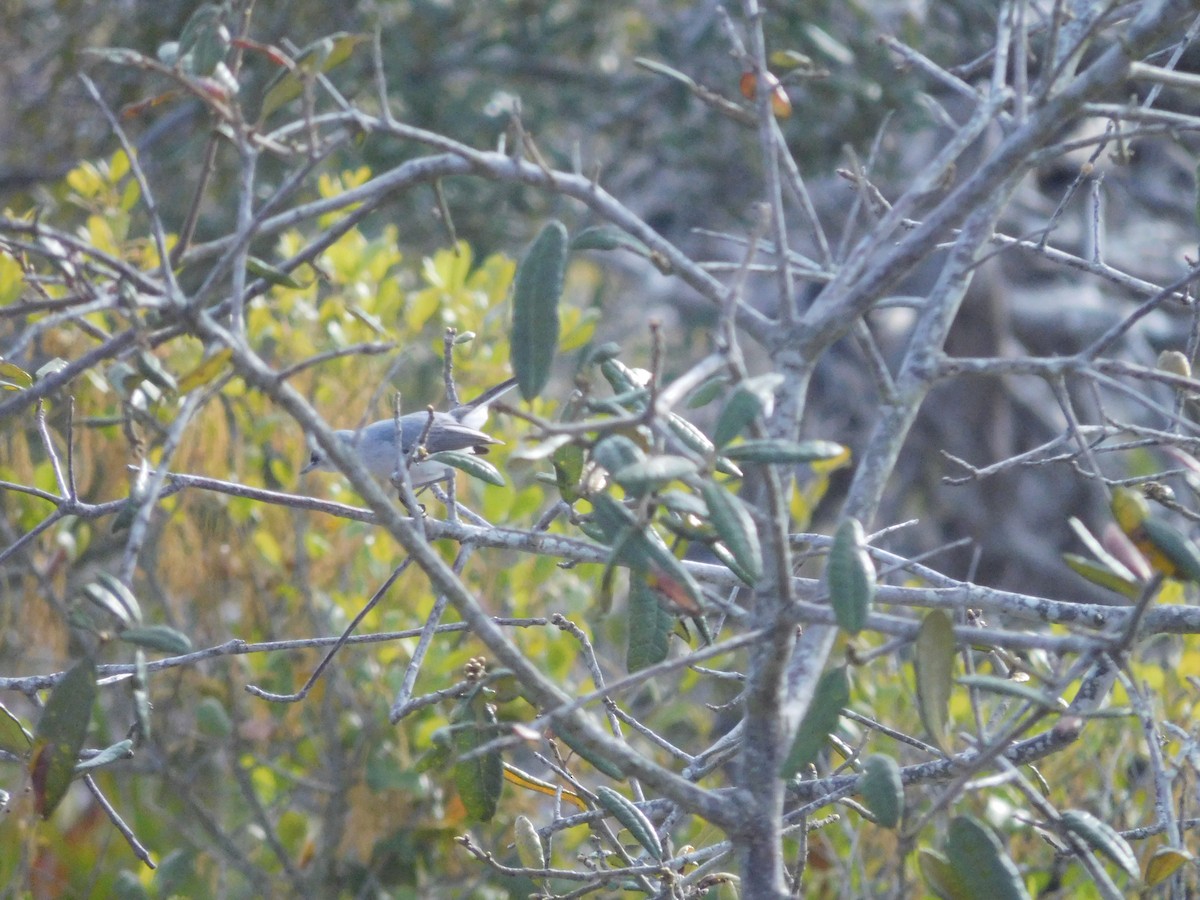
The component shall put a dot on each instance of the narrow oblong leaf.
(141, 697)
(733, 522)
(882, 790)
(157, 637)
(537, 289)
(783, 452)
(850, 577)
(980, 862)
(708, 391)
(625, 382)
(750, 398)
(529, 845)
(641, 548)
(650, 627)
(473, 465)
(479, 779)
(634, 820)
(933, 662)
(260, 268)
(821, 718)
(691, 436)
(721, 552)
(1097, 549)
(525, 781)
(1099, 574)
(1102, 837)
(653, 473)
(133, 611)
(102, 597)
(601, 764)
(107, 756)
(60, 734)
(1012, 688)
(617, 452)
(605, 237)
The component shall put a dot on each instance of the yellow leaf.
(85, 180)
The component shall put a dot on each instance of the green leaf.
(691, 436)
(683, 503)
(53, 367)
(132, 610)
(933, 661)
(600, 763)
(102, 597)
(14, 377)
(733, 523)
(206, 371)
(153, 370)
(272, 275)
(628, 385)
(653, 473)
(752, 397)
(473, 465)
(157, 637)
(141, 697)
(940, 876)
(529, 845)
(568, 471)
(634, 820)
(1100, 574)
(617, 452)
(650, 627)
(212, 719)
(536, 292)
(882, 790)
(850, 576)
(980, 863)
(13, 736)
(782, 452)
(605, 237)
(1102, 837)
(319, 57)
(107, 756)
(203, 41)
(642, 549)
(721, 552)
(479, 779)
(60, 735)
(1176, 547)
(1097, 549)
(708, 391)
(1013, 689)
(821, 718)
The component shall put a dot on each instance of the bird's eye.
(314, 459)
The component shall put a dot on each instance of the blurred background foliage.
(238, 797)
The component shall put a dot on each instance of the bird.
(1166, 548)
(458, 429)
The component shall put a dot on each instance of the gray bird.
(457, 429)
